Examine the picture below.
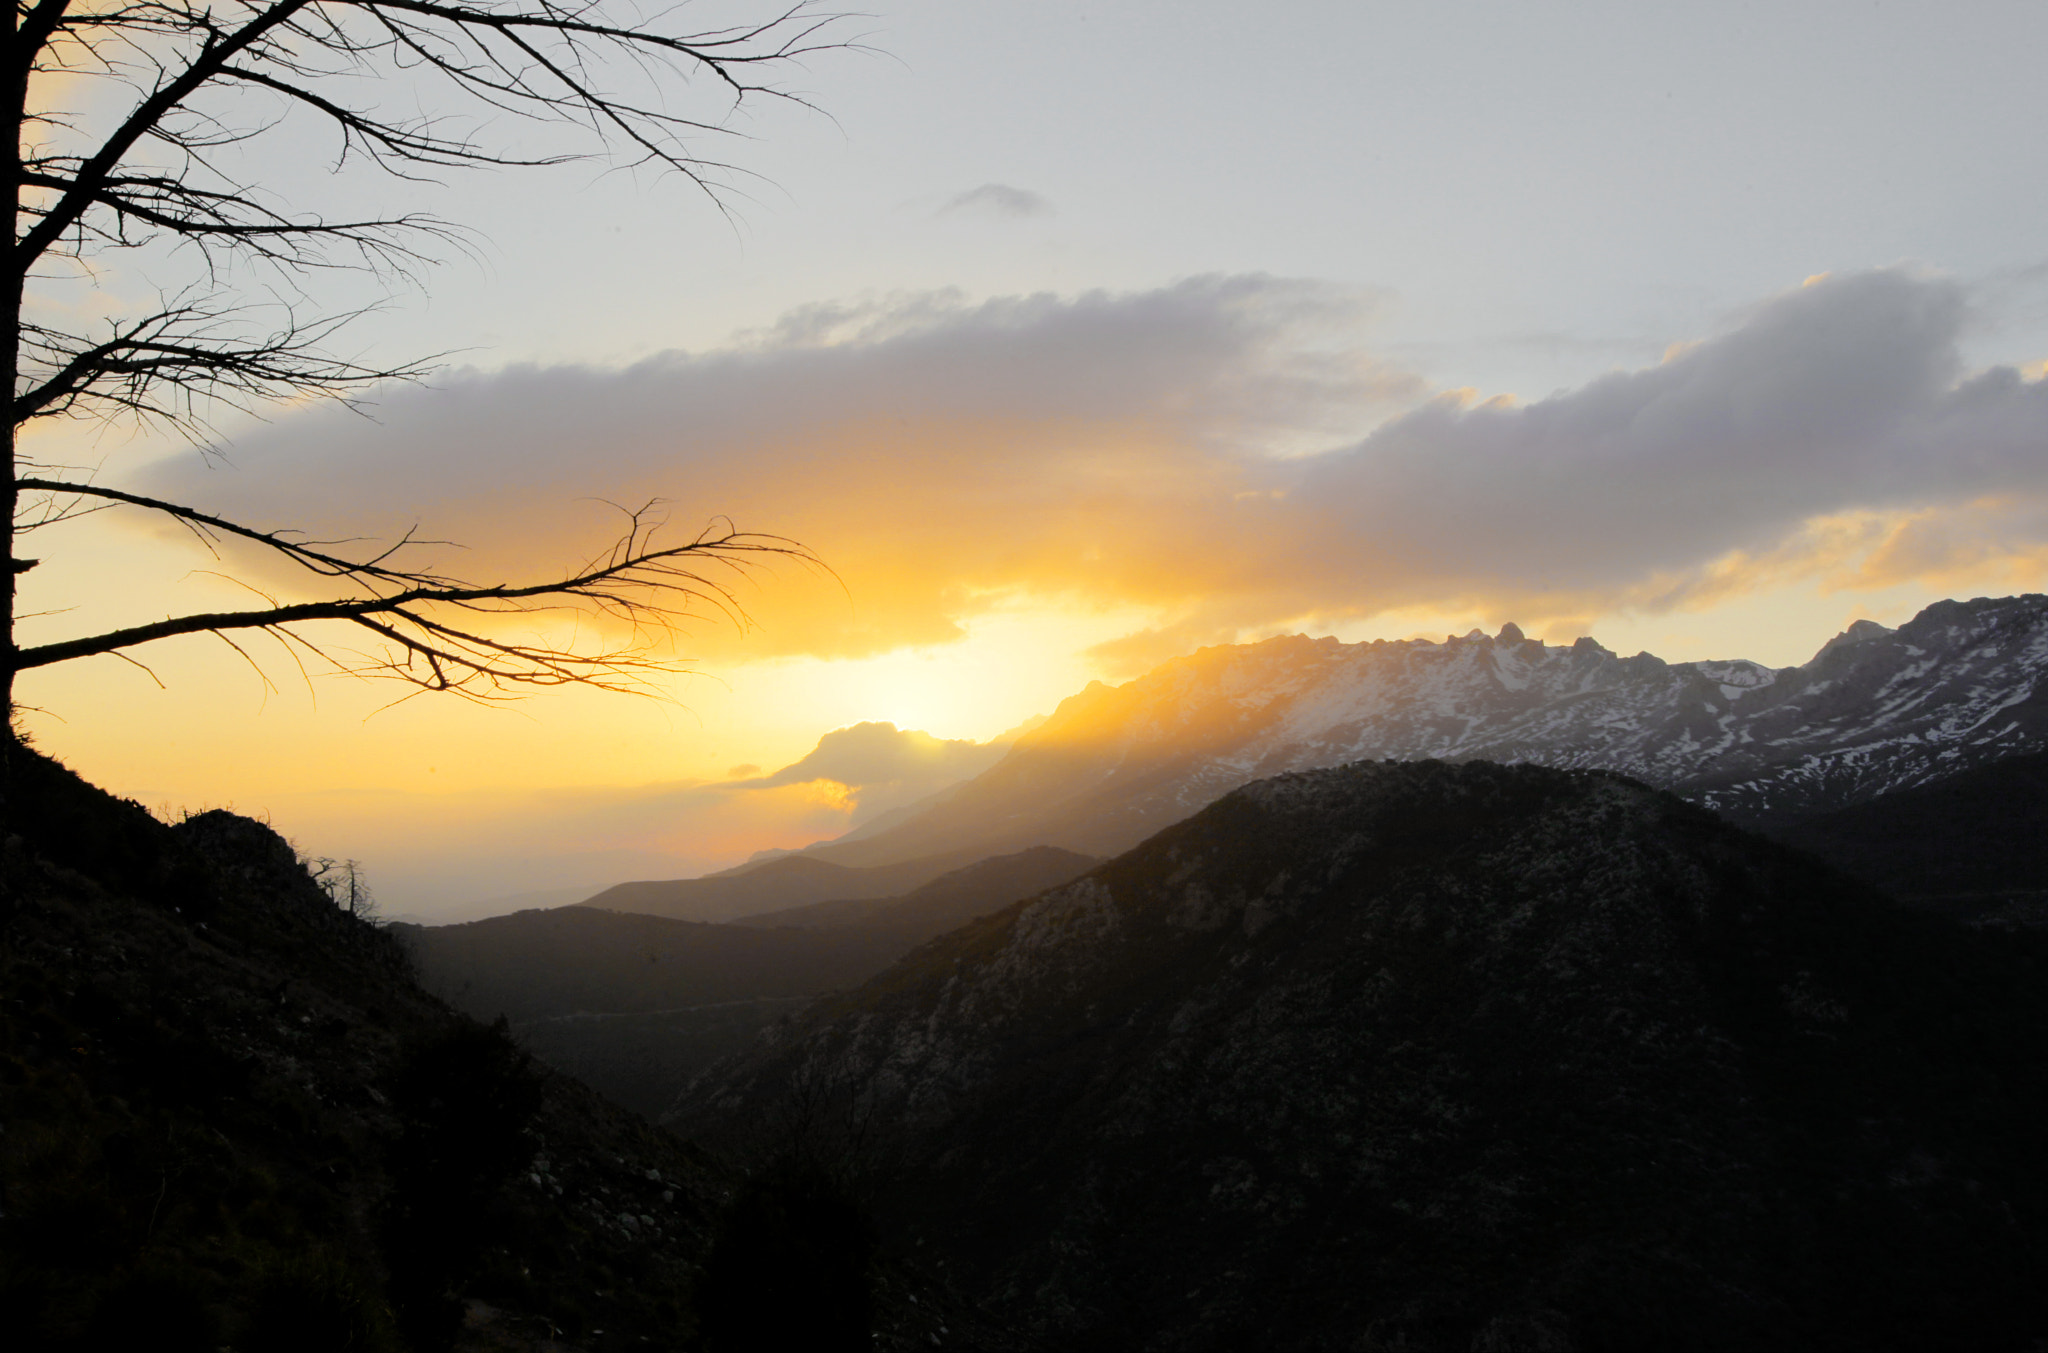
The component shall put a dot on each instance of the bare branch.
(637, 579)
(189, 352)
(157, 175)
(300, 552)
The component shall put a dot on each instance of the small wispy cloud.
(999, 200)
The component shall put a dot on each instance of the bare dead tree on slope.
(152, 178)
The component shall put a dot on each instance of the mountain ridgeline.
(777, 884)
(1431, 1056)
(947, 902)
(1874, 712)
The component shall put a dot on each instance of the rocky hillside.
(1448, 1057)
(229, 1117)
(1875, 711)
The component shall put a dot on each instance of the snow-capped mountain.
(1877, 709)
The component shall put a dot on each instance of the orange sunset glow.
(1025, 675)
(1025, 454)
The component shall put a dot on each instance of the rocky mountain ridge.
(1876, 710)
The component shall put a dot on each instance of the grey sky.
(1543, 189)
(1123, 405)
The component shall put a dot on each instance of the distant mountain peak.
(1859, 632)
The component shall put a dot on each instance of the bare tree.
(154, 177)
(342, 881)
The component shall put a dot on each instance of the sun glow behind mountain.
(1068, 489)
(1496, 315)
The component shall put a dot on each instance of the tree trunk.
(17, 280)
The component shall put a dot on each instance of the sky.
(1073, 337)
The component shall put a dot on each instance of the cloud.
(1142, 650)
(1844, 395)
(1220, 451)
(997, 200)
(940, 455)
(881, 766)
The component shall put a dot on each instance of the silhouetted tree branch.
(155, 174)
(638, 580)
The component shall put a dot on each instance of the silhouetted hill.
(563, 960)
(786, 881)
(230, 1118)
(1875, 711)
(207, 1115)
(637, 1005)
(1975, 843)
(946, 903)
(1431, 1056)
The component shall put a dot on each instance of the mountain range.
(1875, 711)
(1907, 757)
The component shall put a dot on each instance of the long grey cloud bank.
(1149, 447)
(1844, 395)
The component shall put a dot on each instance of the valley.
(1907, 758)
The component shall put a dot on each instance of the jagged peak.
(1859, 632)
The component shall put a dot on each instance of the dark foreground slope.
(229, 1117)
(1451, 1057)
